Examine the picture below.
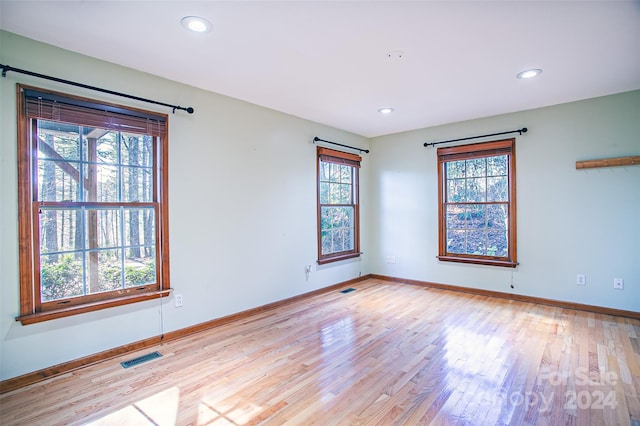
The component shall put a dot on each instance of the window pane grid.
(95, 235)
(475, 197)
(477, 229)
(104, 258)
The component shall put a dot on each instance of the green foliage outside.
(64, 278)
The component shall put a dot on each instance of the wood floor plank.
(385, 354)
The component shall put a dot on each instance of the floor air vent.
(141, 359)
(348, 290)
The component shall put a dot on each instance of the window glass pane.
(103, 228)
(476, 216)
(139, 231)
(326, 243)
(104, 270)
(345, 194)
(497, 166)
(497, 216)
(107, 148)
(325, 218)
(334, 193)
(101, 183)
(137, 150)
(497, 243)
(476, 167)
(349, 242)
(346, 172)
(137, 184)
(456, 216)
(141, 272)
(58, 181)
(60, 231)
(58, 141)
(334, 173)
(476, 242)
(61, 276)
(346, 217)
(456, 191)
(324, 171)
(497, 188)
(476, 189)
(456, 241)
(337, 237)
(455, 169)
(324, 193)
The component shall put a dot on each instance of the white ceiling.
(326, 61)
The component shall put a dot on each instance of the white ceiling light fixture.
(526, 74)
(386, 110)
(196, 24)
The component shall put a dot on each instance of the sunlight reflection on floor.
(159, 409)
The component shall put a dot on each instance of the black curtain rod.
(7, 68)
(316, 139)
(520, 131)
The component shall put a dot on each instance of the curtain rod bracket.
(519, 131)
(6, 68)
(316, 139)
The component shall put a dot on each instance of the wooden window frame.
(32, 310)
(343, 158)
(471, 151)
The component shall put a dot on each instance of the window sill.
(338, 258)
(90, 307)
(478, 261)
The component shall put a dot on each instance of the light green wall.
(569, 221)
(242, 216)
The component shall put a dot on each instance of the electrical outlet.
(391, 259)
(178, 300)
(618, 283)
(581, 279)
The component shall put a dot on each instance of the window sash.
(449, 235)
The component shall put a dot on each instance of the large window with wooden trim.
(477, 203)
(338, 207)
(92, 194)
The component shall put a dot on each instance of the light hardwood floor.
(384, 354)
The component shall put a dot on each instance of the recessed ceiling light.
(529, 73)
(196, 24)
(386, 110)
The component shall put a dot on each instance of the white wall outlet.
(618, 283)
(581, 279)
(178, 300)
(391, 259)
